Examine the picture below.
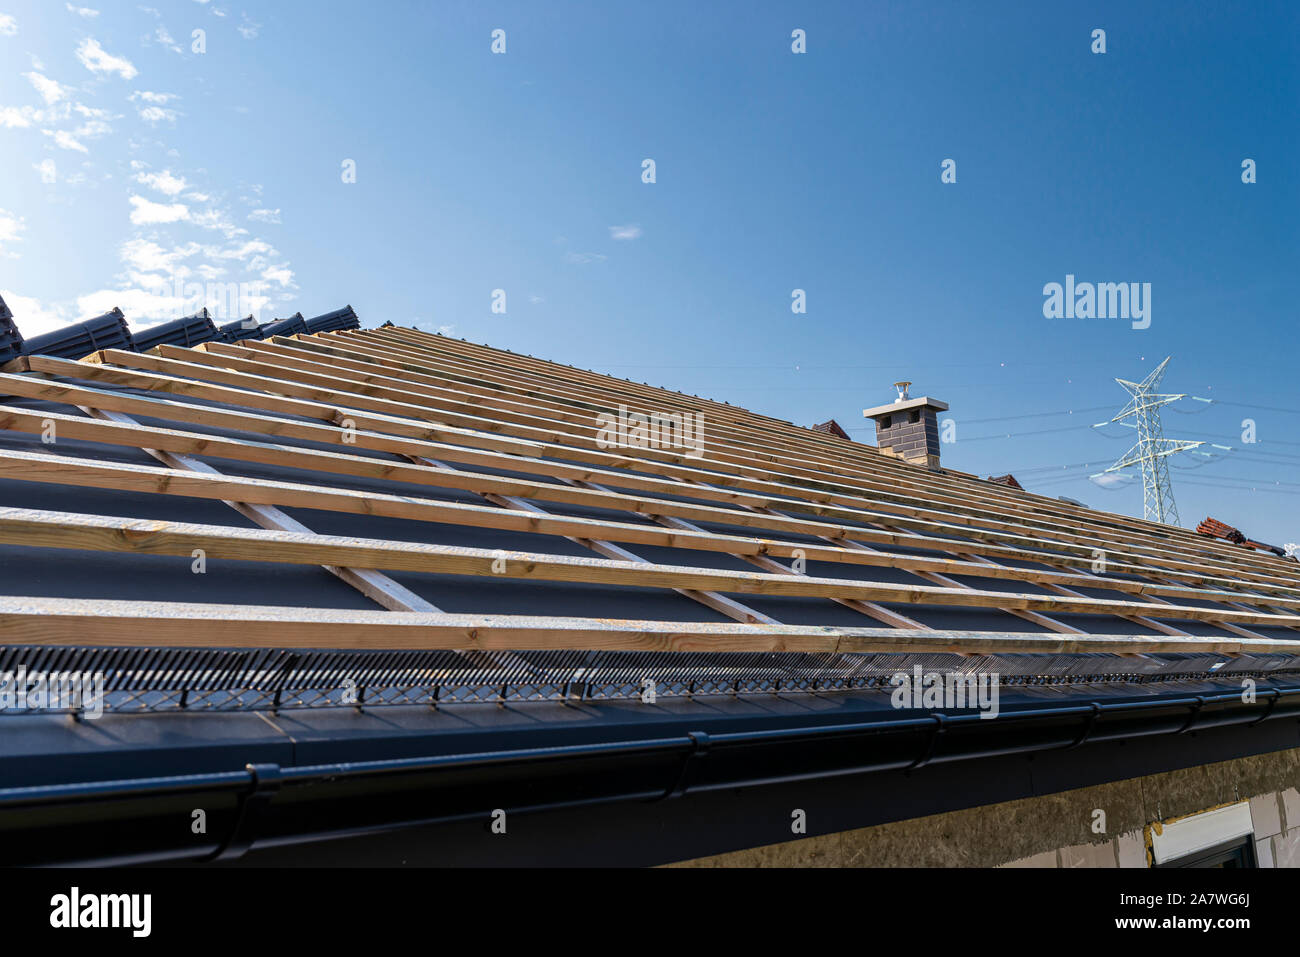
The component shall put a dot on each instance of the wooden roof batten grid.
(974, 507)
(1164, 531)
(433, 402)
(144, 362)
(387, 422)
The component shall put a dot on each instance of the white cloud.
(11, 227)
(148, 96)
(33, 318)
(265, 215)
(16, 116)
(92, 111)
(164, 182)
(8, 25)
(98, 60)
(93, 129)
(248, 29)
(259, 256)
(156, 115)
(218, 219)
(65, 140)
(85, 12)
(138, 304)
(51, 91)
(145, 256)
(281, 274)
(1110, 479)
(583, 259)
(49, 173)
(146, 212)
(153, 115)
(248, 250)
(156, 112)
(625, 232)
(164, 37)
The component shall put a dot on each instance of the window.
(1223, 837)
(1239, 853)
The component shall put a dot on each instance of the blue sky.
(128, 157)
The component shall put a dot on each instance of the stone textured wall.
(1056, 830)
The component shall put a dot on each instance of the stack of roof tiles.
(337, 321)
(189, 331)
(293, 326)
(108, 331)
(248, 328)
(11, 340)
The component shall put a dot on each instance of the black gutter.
(266, 805)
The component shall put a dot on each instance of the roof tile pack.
(11, 340)
(188, 331)
(336, 321)
(292, 326)
(240, 329)
(108, 331)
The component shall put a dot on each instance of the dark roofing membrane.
(98, 575)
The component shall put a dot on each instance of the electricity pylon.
(1152, 449)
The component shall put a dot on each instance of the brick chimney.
(907, 427)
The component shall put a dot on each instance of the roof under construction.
(482, 482)
(270, 523)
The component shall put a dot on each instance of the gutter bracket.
(1272, 703)
(1195, 713)
(699, 748)
(265, 784)
(925, 756)
(1087, 727)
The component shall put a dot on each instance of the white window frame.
(1192, 835)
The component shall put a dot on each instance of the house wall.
(1057, 830)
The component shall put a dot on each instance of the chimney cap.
(900, 405)
(902, 390)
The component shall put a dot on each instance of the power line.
(1053, 468)
(1058, 481)
(1011, 418)
(1014, 435)
(1033, 415)
(1253, 480)
(1242, 405)
(1263, 487)
(1238, 438)
(1269, 458)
